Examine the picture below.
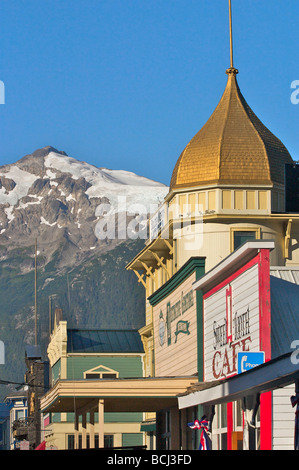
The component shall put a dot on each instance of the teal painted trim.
(56, 370)
(194, 263)
(123, 417)
(125, 365)
(132, 439)
(109, 417)
(199, 319)
(148, 427)
(56, 417)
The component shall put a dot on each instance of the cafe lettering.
(230, 324)
(225, 358)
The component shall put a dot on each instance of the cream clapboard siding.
(245, 294)
(283, 418)
(180, 357)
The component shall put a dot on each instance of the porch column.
(84, 431)
(184, 428)
(91, 430)
(175, 428)
(101, 423)
(76, 430)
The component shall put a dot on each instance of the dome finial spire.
(232, 68)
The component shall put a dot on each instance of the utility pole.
(35, 291)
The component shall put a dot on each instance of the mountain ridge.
(48, 195)
(66, 205)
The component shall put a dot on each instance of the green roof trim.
(196, 264)
(148, 427)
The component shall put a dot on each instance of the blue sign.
(248, 360)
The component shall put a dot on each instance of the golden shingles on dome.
(232, 148)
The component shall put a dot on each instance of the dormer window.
(101, 372)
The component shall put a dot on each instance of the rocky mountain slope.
(52, 197)
(88, 223)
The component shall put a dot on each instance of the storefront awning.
(276, 373)
(148, 426)
(41, 446)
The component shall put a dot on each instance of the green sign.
(173, 313)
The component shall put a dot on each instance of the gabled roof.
(104, 341)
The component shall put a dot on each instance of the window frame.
(233, 230)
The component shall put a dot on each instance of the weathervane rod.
(231, 34)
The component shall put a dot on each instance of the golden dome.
(233, 147)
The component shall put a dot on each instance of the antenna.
(50, 316)
(35, 291)
(52, 296)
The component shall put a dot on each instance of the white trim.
(248, 250)
(268, 376)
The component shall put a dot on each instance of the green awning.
(148, 426)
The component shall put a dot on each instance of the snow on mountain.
(108, 183)
(60, 200)
(22, 182)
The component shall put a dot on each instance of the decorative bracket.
(140, 278)
(160, 262)
(148, 270)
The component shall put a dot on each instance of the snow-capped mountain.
(67, 204)
(51, 196)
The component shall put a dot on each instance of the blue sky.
(125, 84)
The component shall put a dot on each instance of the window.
(109, 376)
(237, 436)
(96, 375)
(242, 235)
(93, 376)
(71, 441)
(101, 372)
(219, 439)
(108, 441)
(19, 414)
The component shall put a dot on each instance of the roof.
(104, 341)
(33, 352)
(231, 263)
(284, 285)
(233, 147)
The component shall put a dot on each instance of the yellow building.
(87, 356)
(227, 187)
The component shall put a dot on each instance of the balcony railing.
(20, 427)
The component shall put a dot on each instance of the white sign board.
(231, 323)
